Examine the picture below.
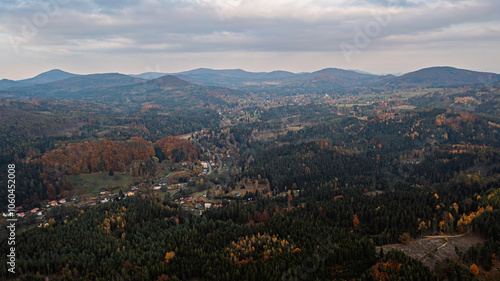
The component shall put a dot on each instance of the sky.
(131, 36)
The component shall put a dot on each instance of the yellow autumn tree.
(422, 227)
(442, 226)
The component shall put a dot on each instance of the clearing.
(431, 249)
(91, 183)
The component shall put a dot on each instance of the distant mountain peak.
(48, 76)
(168, 82)
(53, 72)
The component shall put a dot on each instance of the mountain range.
(58, 83)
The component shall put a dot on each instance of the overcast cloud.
(381, 36)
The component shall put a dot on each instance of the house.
(105, 200)
(53, 203)
(208, 205)
(204, 164)
(21, 215)
(102, 191)
(35, 210)
(158, 187)
(62, 201)
(130, 193)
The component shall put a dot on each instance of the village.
(180, 184)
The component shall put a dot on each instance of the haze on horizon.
(379, 36)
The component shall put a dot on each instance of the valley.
(235, 175)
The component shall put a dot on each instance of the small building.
(53, 203)
(62, 201)
(130, 193)
(102, 191)
(208, 205)
(35, 210)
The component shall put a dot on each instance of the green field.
(91, 183)
(169, 192)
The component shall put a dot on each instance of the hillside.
(46, 77)
(442, 77)
(66, 87)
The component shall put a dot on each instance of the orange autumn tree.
(474, 270)
(173, 147)
(355, 221)
(169, 256)
(97, 156)
(404, 238)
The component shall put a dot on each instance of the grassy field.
(232, 193)
(91, 183)
(169, 192)
(199, 193)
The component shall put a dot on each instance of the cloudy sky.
(130, 36)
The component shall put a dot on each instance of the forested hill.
(443, 77)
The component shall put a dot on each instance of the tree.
(169, 256)
(474, 270)
(355, 221)
(404, 238)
